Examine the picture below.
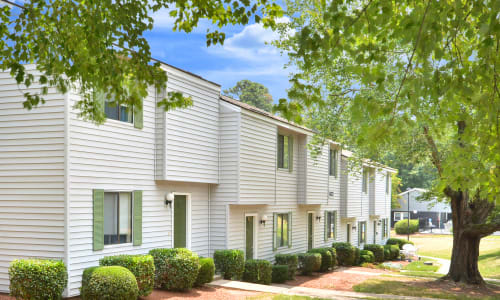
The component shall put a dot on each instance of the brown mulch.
(205, 292)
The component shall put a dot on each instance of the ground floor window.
(117, 218)
(331, 223)
(282, 228)
(362, 232)
(385, 228)
(400, 216)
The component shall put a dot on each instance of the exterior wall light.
(263, 220)
(169, 197)
(318, 218)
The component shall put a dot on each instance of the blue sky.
(244, 54)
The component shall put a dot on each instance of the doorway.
(250, 236)
(181, 216)
(310, 230)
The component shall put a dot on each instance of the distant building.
(431, 213)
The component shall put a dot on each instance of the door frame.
(313, 227)
(255, 233)
(188, 219)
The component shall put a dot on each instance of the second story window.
(285, 147)
(365, 181)
(333, 162)
(118, 112)
(387, 183)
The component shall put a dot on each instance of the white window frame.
(288, 229)
(255, 233)
(131, 243)
(188, 219)
(334, 213)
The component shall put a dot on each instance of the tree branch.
(434, 150)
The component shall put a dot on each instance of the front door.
(310, 232)
(180, 224)
(374, 232)
(348, 233)
(249, 224)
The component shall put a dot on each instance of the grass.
(395, 287)
(440, 246)
(421, 267)
(283, 297)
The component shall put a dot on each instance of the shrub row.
(328, 257)
(290, 260)
(309, 262)
(377, 251)
(175, 269)
(230, 263)
(399, 242)
(346, 253)
(258, 271)
(401, 226)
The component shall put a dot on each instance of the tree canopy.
(419, 79)
(98, 46)
(252, 93)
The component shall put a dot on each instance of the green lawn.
(419, 266)
(440, 246)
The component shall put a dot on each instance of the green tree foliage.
(99, 46)
(415, 78)
(252, 93)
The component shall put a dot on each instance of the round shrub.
(309, 262)
(334, 256)
(391, 252)
(345, 254)
(109, 282)
(230, 263)
(258, 271)
(37, 278)
(280, 273)
(357, 256)
(377, 250)
(399, 242)
(326, 258)
(291, 260)
(175, 269)
(401, 226)
(142, 266)
(366, 256)
(207, 271)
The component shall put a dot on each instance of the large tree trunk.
(469, 216)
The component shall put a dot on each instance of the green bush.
(109, 282)
(280, 273)
(334, 256)
(230, 263)
(309, 262)
(399, 242)
(291, 260)
(357, 256)
(326, 258)
(258, 271)
(142, 266)
(377, 250)
(175, 269)
(37, 278)
(207, 271)
(391, 252)
(401, 226)
(346, 255)
(366, 256)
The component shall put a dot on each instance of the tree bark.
(464, 258)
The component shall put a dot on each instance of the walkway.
(305, 291)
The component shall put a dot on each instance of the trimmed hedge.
(280, 273)
(391, 252)
(175, 269)
(207, 271)
(346, 255)
(109, 282)
(258, 271)
(37, 278)
(333, 251)
(366, 256)
(357, 256)
(309, 262)
(377, 250)
(326, 258)
(230, 263)
(401, 226)
(291, 260)
(142, 266)
(399, 242)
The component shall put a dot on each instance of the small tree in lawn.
(418, 78)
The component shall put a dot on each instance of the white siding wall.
(380, 194)
(317, 176)
(192, 139)
(32, 199)
(257, 160)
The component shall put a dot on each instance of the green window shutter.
(290, 230)
(137, 222)
(98, 211)
(326, 225)
(275, 228)
(138, 117)
(290, 153)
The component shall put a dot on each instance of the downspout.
(67, 190)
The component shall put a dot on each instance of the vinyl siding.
(317, 176)
(192, 139)
(32, 199)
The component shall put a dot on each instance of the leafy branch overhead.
(98, 46)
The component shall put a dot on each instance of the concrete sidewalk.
(305, 291)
